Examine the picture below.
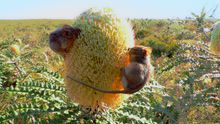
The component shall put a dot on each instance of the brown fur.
(63, 38)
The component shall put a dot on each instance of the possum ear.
(71, 32)
(66, 26)
(76, 32)
(148, 50)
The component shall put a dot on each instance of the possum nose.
(53, 37)
(53, 41)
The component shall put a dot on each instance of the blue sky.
(68, 9)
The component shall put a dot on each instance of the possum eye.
(67, 34)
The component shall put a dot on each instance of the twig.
(18, 68)
(33, 119)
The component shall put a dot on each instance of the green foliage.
(196, 82)
(47, 102)
(161, 35)
(160, 48)
(201, 22)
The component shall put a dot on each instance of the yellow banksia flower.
(96, 58)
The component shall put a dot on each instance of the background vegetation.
(185, 87)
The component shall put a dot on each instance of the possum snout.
(54, 43)
(62, 40)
